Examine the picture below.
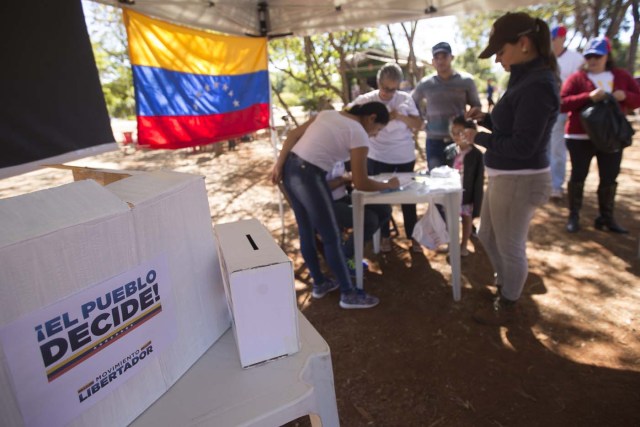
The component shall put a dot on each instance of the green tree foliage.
(584, 18)
(314, 67)
(109, 42)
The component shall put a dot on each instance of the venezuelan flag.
(195, 87)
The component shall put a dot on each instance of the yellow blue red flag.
(195, 87)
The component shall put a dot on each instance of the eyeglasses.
(592, 56)
(388, 89)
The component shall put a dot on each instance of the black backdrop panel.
(51, 102)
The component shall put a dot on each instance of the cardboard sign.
(62, 358)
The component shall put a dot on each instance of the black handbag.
(607, 127)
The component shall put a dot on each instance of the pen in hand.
(394, 181)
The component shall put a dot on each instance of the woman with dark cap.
(308, 154)
(584, 87)
(516, 158)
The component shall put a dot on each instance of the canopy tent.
(274, 18)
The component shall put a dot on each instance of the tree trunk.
(412, 65)
(284, 105)
(633, 43)
(393, 44)
(595, 16)
(342, 67)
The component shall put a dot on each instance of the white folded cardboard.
(259, 285)
(57, 242)
(171, 211)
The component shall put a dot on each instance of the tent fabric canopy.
(274, 18)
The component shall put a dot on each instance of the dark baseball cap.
(508, 29)
(441, 47)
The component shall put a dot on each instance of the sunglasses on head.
(593, 56)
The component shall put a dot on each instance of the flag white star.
(216, 85)
(207, 88)
(236, 103)
(230, 93)
(225, 87)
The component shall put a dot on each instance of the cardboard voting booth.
(258, 279)
(107, 296)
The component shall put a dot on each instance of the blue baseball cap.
(598, 46)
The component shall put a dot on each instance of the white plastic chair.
(216, 391)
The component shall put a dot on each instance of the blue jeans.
(310, 197)
(409, 213)
(435, 152)
(558, 153)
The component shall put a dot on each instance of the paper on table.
(443, 172)
(405, 178)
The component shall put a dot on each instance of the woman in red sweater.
(581, 89)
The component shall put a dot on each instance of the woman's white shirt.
(602, 80)
(330, 139)
(394, 144)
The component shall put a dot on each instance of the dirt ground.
(418, 359)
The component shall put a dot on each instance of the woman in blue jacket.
(516, 158)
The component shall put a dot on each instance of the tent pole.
(274, 142)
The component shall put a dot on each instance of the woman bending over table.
(308, 154)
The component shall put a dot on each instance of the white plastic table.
(445, 191)
(217, 392)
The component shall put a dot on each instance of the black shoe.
(573, 224)
(611, 225)
(575, 193)
(501, 312)
(606, 204)
(491, 296)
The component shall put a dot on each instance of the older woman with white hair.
(393, 148)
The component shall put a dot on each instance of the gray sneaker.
(321, 290)
(557, 194)
(358, 299)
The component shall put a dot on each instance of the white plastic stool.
(216, 391)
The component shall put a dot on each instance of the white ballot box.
(258, 280)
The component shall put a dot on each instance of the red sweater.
(575, 96)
